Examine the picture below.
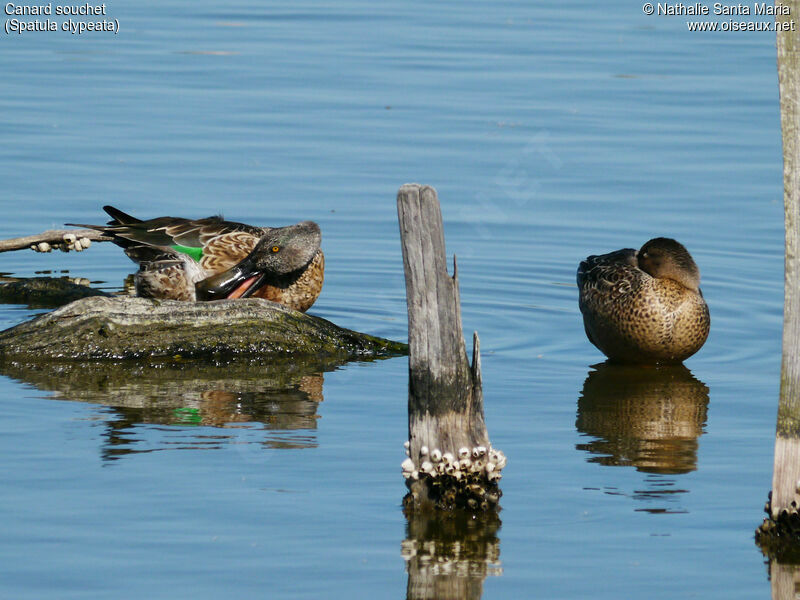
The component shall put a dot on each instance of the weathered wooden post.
(783, 522)
(451, 463)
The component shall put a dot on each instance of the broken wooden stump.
(126, 327)
(782, 525)
(451, 463)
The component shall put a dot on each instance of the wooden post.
(783, 520)
(451, 463)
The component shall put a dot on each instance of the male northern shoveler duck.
(212, 259)
(645, 306)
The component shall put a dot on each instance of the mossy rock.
(125, 327)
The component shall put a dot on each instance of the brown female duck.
(211, 259)
(645, 306)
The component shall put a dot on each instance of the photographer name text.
(698, 9)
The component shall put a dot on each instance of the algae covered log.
(124, 327)
(450, 463)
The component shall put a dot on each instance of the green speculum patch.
(195, 253)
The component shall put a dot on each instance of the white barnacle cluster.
(466, 463)
(70, 242)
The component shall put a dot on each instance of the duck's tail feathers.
(87, 226)
(119, 217)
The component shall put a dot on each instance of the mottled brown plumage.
(299, 293)
(645, 306)
(210, 259)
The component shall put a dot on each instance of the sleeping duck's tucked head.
(664, 258)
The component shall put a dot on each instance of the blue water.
(550, 133)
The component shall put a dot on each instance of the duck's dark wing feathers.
(596, 269)
(168, 231)
(144, 254)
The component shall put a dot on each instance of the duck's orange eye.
(276, 248)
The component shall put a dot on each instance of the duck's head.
(279, 253)
(664, 258)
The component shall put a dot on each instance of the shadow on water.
(269, 402)
(647, 417)
(449, 554)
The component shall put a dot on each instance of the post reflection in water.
(783, 554)
(271, 403)
(449, 554)
(646, 417)
(784, 578)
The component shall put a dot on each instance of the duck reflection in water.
(647, 417)
(283, 416)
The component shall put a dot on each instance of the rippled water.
(550, 133)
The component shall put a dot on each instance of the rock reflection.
(646, 417)
(448, 555)
(271, 403)
(45, 292)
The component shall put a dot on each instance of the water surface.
(550, 133)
